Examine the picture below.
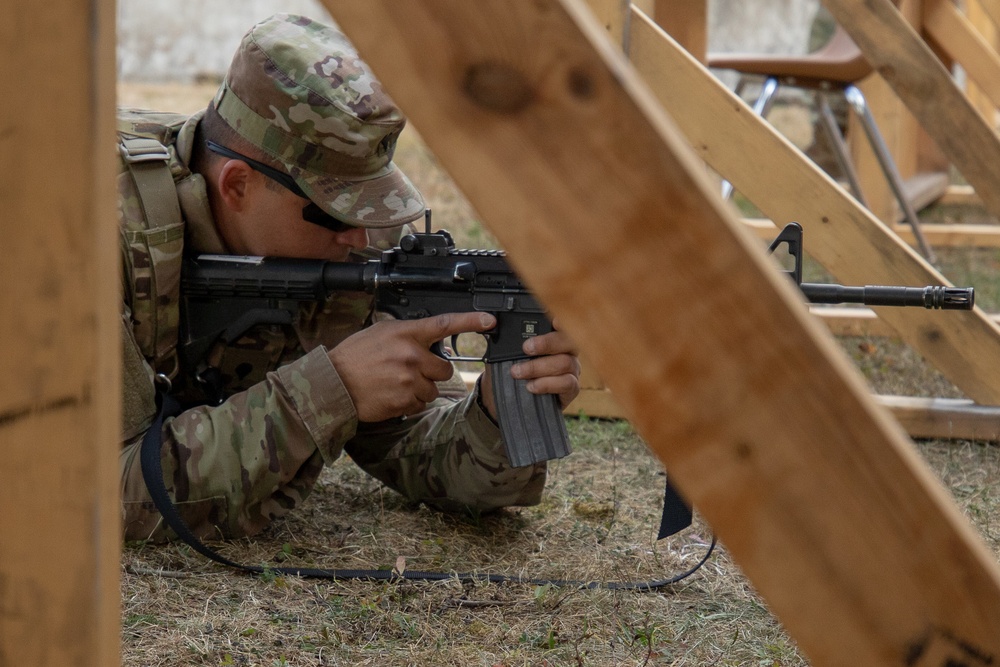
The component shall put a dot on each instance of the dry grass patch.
(597, 522)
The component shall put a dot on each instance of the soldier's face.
(271, 224)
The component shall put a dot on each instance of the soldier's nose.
(355, 237)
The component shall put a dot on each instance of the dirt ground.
(597, 522)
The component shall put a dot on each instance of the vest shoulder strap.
(153, 231)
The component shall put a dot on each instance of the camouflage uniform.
(298, 91)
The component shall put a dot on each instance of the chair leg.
(763, 104)
(741, 84)
(857, 101)
(839, 146)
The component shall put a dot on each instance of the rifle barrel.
(932, 297)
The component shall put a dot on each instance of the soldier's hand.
(389, 370)
(554, 369)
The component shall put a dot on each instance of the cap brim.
(387, 199)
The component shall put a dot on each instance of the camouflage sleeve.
(450, 457)
(233, 468)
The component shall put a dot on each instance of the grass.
(597, 521)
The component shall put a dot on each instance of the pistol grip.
(532, 426)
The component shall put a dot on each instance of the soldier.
(293, 158)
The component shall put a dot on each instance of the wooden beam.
(839, 233)
(950, 235)
(953, 235)
(816, 492)
(944, 418)
(954, 34)
(59, 372)
(852, 321)
(988, 30)
(907, 64)
(612, 15)
(846, 321)
(927, 418)
(992, 9)
(686, 21)
(960, 195)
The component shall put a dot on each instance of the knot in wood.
(581, 84)
(743, 451)
(498, 87)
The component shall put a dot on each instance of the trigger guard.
(439, 349)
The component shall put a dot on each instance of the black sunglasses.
(311, 212)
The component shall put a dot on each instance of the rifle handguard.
(532, 425)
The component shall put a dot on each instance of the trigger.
(454, 346)
(439, 349)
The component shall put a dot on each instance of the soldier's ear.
(234, 183)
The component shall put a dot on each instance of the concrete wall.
(760, 26)
(183, 40)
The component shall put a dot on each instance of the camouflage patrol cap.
(298, 90)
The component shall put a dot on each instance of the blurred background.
(190, 41)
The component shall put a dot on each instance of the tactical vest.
(152, 231)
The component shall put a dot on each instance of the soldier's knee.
(515, 488)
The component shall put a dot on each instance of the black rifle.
(223, 296)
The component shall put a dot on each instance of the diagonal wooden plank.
(992, 9)
(686, 21)
(60, 537)
(923, 84)
(945, 417)
(987, 30)
(845, 237)
(769, 430)
(956, 36)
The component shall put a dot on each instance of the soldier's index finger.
(430, 330)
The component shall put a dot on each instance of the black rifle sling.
(152, 474)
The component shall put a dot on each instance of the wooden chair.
(835, 69)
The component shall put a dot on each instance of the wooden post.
(686, 21)
(920, 80)
(954, 34)
(990, 32)
(59, 371)
(611, 14)
(766, 427)
(991, 8)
